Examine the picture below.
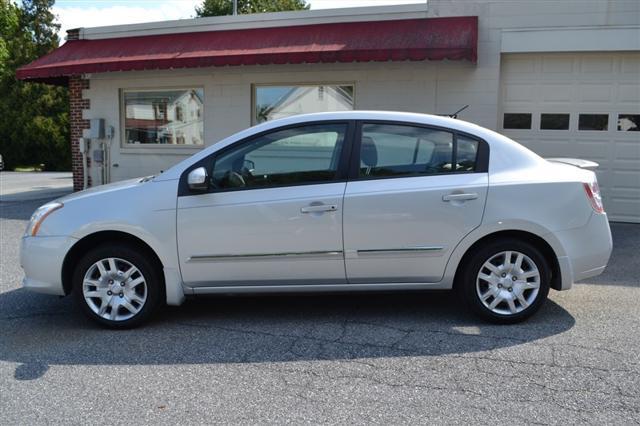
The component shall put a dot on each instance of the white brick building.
(563, 78)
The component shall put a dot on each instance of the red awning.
(453, 38)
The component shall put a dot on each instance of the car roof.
(410, 117)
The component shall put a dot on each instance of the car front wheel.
(506, 281)
(117, 286)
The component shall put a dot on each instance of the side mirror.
(249, 165)
(198, 179)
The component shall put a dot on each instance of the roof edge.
(259, 20)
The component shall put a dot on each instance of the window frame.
(209, 161)
(255, 86)
(516, 129)
(605, 114)
(617, 119)
(546, 129)
(167, 148)
(482, 160)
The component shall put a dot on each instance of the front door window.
(294, 156)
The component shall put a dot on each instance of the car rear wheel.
(117, 286)
(505, 281)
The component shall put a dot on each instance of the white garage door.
(583, 105)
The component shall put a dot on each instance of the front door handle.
(319, 208)
(460, 197)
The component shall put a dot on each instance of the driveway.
(385, 358)
(20, 186)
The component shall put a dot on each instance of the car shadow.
(38, 331)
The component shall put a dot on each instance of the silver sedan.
(350, 201)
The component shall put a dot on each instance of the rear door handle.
(319, 208)
(460, 197)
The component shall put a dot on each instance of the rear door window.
(392, 150)
(399, 150)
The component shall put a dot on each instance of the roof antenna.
(455, 114)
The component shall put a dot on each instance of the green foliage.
(34, 117)
(225, 7)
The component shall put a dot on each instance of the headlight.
(39, 216)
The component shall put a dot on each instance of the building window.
(593, 122)
(629, 122)
(554, 121)
(273, 102)
(179, 113)
(516, 121)
(163, 117)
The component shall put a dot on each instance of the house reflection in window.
(273, 102)
(163, 116)
(629, 122)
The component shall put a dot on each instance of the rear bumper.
(587, 250)
(41, 259)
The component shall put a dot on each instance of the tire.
(124, 297)
(496, 289)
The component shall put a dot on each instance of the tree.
(34, 117)
(225, 7)
(9, 24)
(39, 22)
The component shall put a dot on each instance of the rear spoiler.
(583, 164)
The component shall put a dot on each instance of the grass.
(35, 168)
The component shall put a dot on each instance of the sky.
(95, 13)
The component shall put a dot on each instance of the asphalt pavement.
(347, 359)
(18, 186)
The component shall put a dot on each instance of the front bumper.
(41, 259)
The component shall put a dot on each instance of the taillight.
(593, 194)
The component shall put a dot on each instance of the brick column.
(77, 124)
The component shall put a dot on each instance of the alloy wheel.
(114, 289)
(508, 283)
